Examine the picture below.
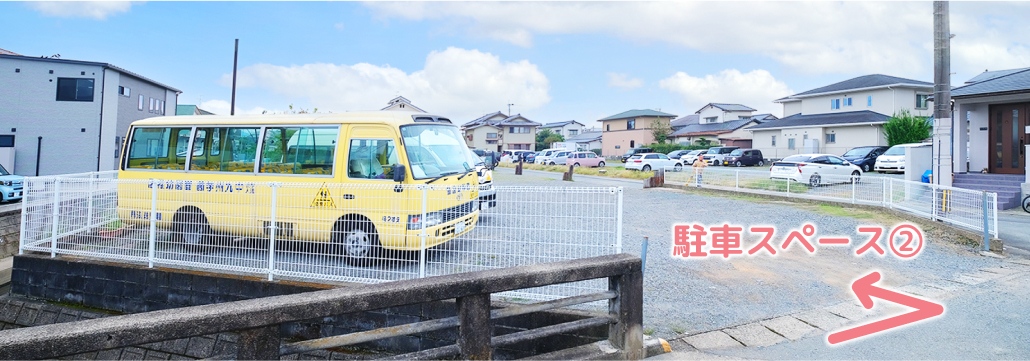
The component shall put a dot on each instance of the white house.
(497, 131)
(403, 104)
(719, 124)
(70, 114)
(840, 116)
(721, 112)
(991, 134)
(586, 140)
(569, 128)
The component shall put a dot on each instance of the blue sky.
(554, 60)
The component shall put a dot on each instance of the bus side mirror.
(399, 173)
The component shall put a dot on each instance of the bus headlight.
(431, 219)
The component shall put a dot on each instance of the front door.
(1008, 137)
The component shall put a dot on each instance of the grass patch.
(841, 211)
(777, 185)
(609, 171)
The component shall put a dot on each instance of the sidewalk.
(1014, 230)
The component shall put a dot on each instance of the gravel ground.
(687, 296)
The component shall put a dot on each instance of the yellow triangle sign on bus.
(323, 199)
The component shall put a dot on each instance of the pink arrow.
(865, 291)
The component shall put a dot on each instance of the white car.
(648, 161)
(690, 157)
(544, 156)
(893, 160)
(815, 169)
(559, 158)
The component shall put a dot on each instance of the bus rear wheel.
(357, 241)
(192, 228)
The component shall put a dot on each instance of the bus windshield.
(435, 150)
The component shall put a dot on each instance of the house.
(718, 124)
(402, 104)
(586, 140)
(990, 134)
(630, 129)
(71, 115)
(566, 129)
(497, 131)
(840, 116)
(190, 109)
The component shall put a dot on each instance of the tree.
(703, 142)
(299, 110)
(904, 127)
(545, 137)
(660, 131)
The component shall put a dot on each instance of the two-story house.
(71, 115)
(630, 129)
(498, 132)
(718, 124)
(569, 128)
(840, 116)
(402, 104)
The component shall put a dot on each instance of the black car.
(529, 157)
(635, 151)
(864, 157)
(742, 157)
(677, 154)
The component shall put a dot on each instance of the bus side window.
(299, 150)
(371, 159)
(153, 148)
(205, 151)
(239, 150)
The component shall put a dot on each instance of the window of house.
(491, 135)
(573, 132)
(711, 119)
(608, 127)
(371, 159)
(774, 140)
(921, 100)
(847, 102)
(869, 101)
(123, 91)
(141, 102)
(632, 144)
(151, 109)
(631, 124)
(790, 143)
(74, 89)
(834, 103)
(831, 138)
(6, 141)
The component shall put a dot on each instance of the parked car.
(544, 156)
(692, 155)
(559, 157)
(716, 155)
(677, 154)
(815, 169)
(585, 159)
(635, 151)
(742, 157)
(529, 157)
(648, 161)
(10, 185)
(864, 157)
(893, 160)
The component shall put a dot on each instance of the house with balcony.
(840, 116)
(498, 132)
(718, 124)
(991, 134)
(60, 116)
(402, 104)
(569, 128)
(630, 129)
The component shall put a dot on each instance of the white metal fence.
(336, 232)
(969, 209)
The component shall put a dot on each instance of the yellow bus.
(349, 179)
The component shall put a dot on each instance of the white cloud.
(459, 83)
(222, 107)
(848, 37)
(339, 26)
(755, 89)
(623, 81)
(99, 10)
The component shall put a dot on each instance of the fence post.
(736, 179)
(994, 211)
(474, 327)
(627, 332)
(933, 193)
(883, 192)
(422, 234)
(24, 210)
(56, 217)
(618, 221)
(89, 201)
(273, 230)
(788, 186)
(987, 230)
(890, 194)
(153, 223)
(853, 189)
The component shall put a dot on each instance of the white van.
(544, 156)
(893, 160)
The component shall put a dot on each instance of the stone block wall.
(10, 232)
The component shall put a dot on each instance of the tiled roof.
(865, 81)
(7, 52)
(798, 120)
(762, 118)
(403, 100)
(560, 124)
(584, 137)
(91, 63)
(685, 121)
(988, 75)
(483, 119)
(508, 120)
(1016, 81)
(639, 113)
(711, 128)
(728, 107)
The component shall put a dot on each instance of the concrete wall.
(847, 137)
(791, 108)
(10, 231)
(885, 101)
(479, 138)
(519, 138)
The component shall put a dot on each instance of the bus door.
(368, 187)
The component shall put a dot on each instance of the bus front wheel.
(356, 240)
(192, 228)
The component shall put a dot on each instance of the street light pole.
(509, 108)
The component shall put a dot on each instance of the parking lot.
(687, 296)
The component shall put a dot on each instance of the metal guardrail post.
(24, 211)
(474, 327)
(273, 230)
(56, 217)
(153, 223)
(627, 333)
(422, 234)
(986, 215)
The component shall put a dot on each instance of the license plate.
(459, 227)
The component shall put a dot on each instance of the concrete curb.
(603, 350)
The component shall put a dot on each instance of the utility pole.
(943, 140)
(235, 57)
(509, 108)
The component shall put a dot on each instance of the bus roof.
(392, 117)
